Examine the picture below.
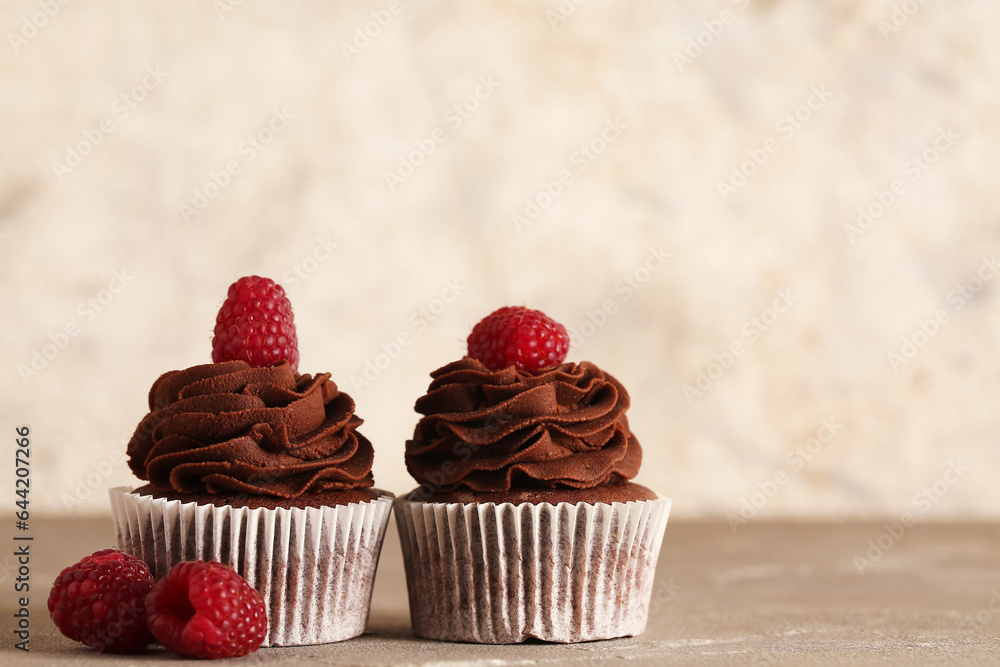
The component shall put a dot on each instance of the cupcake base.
(503, 573)
(314, 566)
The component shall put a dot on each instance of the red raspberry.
(205, 610)
(515, 336)
(256, 325)
(100, 601)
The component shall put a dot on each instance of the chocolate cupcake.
(525, 524)
(253, 465)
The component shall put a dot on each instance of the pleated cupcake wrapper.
(499, 574)
(313, 566)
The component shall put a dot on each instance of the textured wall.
(679, 182)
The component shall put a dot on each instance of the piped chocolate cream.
(242, 435)
(512, 436)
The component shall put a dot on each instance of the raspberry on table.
(517, 336)
(101, 602)
(256, 325)
(203, 609)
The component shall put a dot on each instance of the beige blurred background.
(678, 182)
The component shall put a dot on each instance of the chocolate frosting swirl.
(230, 427)
(490, 431)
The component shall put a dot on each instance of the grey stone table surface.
(769, 594)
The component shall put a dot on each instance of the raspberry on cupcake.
(520, 456)
(252, 464)
(255, 324)
(528, 340)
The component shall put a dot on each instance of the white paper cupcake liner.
(500, 574)
(313, 566)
